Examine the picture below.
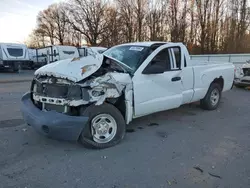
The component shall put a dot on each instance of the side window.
(177, 54)
(163, 59)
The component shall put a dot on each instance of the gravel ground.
(185, 147)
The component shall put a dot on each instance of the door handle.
(175, 79)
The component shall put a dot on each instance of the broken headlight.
(97, 91)
(35, 88)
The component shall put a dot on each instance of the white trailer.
(32, 58)
(99, 49)
(86, 51)
(83, 51)
(32, 54)
(51, 54)
(13, 56)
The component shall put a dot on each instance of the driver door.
(159, 88)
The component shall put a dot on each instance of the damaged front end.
(51, 93)
(244, 79)
(65, 96)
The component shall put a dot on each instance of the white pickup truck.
(91, 99)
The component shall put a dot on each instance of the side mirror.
(153, 68)
(54, 53)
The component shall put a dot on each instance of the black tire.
(206, 103)
(92, 111)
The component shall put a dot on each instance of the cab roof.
(145, 44)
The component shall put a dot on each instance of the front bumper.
(241, 84)
(51, 123)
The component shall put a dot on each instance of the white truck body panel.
(204, 75)
(195, 81)
(147, 93)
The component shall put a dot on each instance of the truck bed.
(205, 72)
(201, 63)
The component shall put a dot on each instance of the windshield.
(130, 55)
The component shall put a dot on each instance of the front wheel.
(212, 98)
(106, 126)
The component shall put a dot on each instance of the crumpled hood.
(71, 69)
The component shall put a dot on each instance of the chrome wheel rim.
(103, 128)
(215, 96)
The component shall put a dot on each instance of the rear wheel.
(105, 128)
(212, 98)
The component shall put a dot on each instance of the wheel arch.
(93, 110)
(124, 104)
(219, 81)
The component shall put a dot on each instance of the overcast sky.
(18, 18)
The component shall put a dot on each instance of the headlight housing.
(97, 91)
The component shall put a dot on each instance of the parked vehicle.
(13, 56)
(91, 99)
(55, 53)
(85, 50)
(32, 58)
(242, 76)
(98, 49)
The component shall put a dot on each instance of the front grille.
(54, 90)
(57, 108)
(66, 91)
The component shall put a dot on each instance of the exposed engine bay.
(109, 82)
(246, 71)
